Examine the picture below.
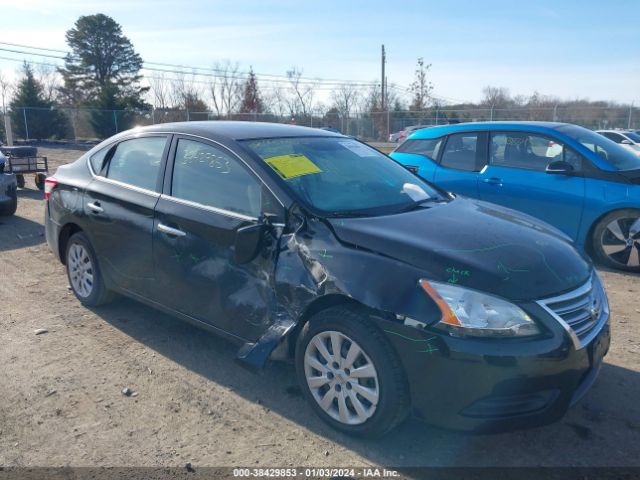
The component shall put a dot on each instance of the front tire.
(84, 273)
(350, 373)
(616, 240)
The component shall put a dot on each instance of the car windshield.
(340, 176)
(615, 155)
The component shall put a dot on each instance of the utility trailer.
(25, 161)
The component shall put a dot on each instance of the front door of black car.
(119, 205)
(209, 194)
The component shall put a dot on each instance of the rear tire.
(10, 208)
(40, 177)
(369, 403)
(616, 240)
(20, 180)
(84, 273)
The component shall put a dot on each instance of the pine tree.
(251, 100)
(103, 72)
(32, 115)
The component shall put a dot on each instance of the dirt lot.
(61, 400)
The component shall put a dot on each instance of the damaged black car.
(390, 295)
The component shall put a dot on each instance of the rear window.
(137, 162)
(429, 147)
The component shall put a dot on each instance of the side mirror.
(626, 142)
(251, 239)
(559, 167)
(248, 242)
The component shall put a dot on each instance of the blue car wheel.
(616, 240)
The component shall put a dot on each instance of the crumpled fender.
(311, 265)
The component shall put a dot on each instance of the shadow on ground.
(18, 232)
(604, 429)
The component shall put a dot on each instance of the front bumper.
(488, 385)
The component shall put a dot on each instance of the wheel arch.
(317, 305)
(63, 239)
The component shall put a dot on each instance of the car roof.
(235, 130)
(438, 131)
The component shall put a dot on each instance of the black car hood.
(476, 245)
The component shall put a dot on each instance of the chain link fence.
(89, 125)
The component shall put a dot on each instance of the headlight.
(468, 312)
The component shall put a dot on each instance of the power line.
(194, 68)
(318, 83)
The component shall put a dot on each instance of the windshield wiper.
(420, 203)
(347, 214)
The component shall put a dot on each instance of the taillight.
(49, 184)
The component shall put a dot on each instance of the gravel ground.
(61, 400)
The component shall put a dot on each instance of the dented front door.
(209, 194)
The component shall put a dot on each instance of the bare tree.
(303, 93)
(6, 90)
(421, 87)
(276, 102)
(345, 98)
(496, 97)
(50, 80)
(225, 88)
(160, 91)
(185, 93)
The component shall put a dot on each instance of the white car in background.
(626, 138)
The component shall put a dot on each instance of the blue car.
(572, 178)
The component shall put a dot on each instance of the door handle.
(170, 231)
(95, 207)
(493, 181)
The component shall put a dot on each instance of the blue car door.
(516, 177)
(462, 158)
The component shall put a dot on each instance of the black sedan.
(389, 294)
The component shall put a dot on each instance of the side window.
(97, 159)
(137, 162)
(614, 136)
(427, 147)
(210, 176)
(524, 150)
(461, 152)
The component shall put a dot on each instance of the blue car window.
(612, 153)
(460, 152)
(524, 150)
(429, 147)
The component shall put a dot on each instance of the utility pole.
(382, 80)
(630, 112)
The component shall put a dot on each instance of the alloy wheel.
(621, 241)
(341, 377)
(80, 270)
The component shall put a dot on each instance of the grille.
(581, 311)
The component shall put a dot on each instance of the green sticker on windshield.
(292, 166)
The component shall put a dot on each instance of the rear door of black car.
(209, 194)
(119, 204)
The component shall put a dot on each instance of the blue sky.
(566, 48)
